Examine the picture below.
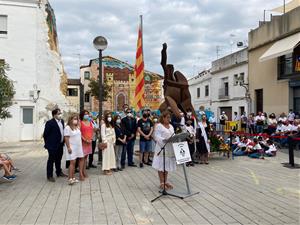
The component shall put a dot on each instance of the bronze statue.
(176, 88)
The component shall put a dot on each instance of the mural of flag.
(297, 64)
(139, 99)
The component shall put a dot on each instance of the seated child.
(271, 151)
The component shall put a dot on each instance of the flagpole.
(141, 17)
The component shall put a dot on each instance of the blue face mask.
(86, 117)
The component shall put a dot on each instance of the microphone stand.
(164, 191)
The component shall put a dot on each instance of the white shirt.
(262, 118)
(291, 116)
(61, 128)
(281, 128)
(236, 118)
(272, 148)
(283, 119)
(291, 127)
(190, 129)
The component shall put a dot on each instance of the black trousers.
(54, 157)
(91, 156)
(192, 151)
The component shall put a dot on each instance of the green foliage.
(215, 143)
(6, 92)
(94, 86)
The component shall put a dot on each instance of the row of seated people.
(6, 164)
(258, 147)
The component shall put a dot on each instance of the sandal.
(169, 186)
(162, 186)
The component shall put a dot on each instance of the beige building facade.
(274, 64)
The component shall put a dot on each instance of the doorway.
(228, 111)
(27, 126)
(259, 100)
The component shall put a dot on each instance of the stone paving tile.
(239, 191)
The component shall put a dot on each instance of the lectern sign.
(182, 153)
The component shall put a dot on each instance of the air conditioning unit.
(31, 93)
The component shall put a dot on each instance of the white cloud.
(192, 29)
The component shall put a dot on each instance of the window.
(226, 87)
(72, 92)
(289, 65)
(242, 78)
(259, 97)
(198, 92)
(87, 97)
(28, 115)
(206, 90)
(86, 75)
(235, 80)
(2, 62)
(3, 24)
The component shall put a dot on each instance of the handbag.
(102, 146)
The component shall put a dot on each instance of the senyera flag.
(139, 100)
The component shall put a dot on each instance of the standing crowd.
(116, 136)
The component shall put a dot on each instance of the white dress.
(162, 133)
(75, 143)
(108, 155)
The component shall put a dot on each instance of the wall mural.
(120, 76)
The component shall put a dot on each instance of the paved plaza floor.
(239, 191)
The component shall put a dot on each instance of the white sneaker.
(75, 180)
(71, 181)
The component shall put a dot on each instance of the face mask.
(118, 121)
(189, 113)
(109, 119)
(155, 120)
(75, 122)
(129, 114)
(86, 117)
(59, 117)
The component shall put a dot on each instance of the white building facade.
(224, 87)
(28, 43)
(199, 88)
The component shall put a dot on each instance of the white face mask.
(75, 122)
(155, 120)
(189, 113)
(109, 119)
(118, 121)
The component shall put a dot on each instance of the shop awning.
(281, 47)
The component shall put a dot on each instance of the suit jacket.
(52, 135)
(130, 126)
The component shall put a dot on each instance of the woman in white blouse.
(162, 132)
(73, 147)
(109, 137)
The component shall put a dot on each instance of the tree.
(94, 86)
(7, 91)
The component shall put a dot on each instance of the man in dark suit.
(54, 142)
(130, 127)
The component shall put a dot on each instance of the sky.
(192, 29)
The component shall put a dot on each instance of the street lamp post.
(100, 43)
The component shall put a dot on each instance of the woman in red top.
(87, 129)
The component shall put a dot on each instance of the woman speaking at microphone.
(162, 132)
